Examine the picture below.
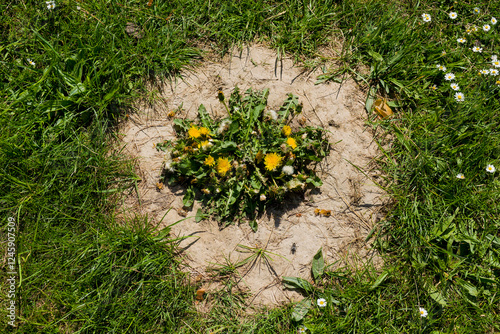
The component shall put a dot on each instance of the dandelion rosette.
(237, 161)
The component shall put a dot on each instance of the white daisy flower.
(31, 62)
(262, 197)
(496, 62)
(484, 72)
(460, 176)
(477, 10)
(454, 86)
(443, 53)
(453, 15)
(433, 87)
(302, 329)
(449, 76)
(477, 49)
(490, 169)
(459, 97)
(423, 312)
(494, 57)
(288, 170)
(50, 5)
(493, 21)
(461, 40)
(493, 71)
(441, 67)
(426, 17)
(321, 302)
(486, 27)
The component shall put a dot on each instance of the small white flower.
(288, 170)
(453, 15)
(461, 40)
(477, 49)
(426, 17)
(454, 86)
(423, 312)
(321, 302)
(493, 21)
(449, 76)
(459, 97)
(493, 71)
(484, 72)
(477, 10)
(495, 62)
(494, 57)
(433, 87)
(217, 190)
(443, 53)
(441, 67)
(31, 62)
(78, 7)
(302, 329)
(460, 176)
(262, 197)
(486, 27)
(490, 169)
(50, 5)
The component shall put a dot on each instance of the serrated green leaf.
(300, 310)
(318, 264)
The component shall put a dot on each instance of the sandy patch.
(356, 203)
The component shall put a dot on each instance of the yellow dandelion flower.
(272, 160)
(204, 131)
(259, 157)
(287, 130)
(209, 161)
(291, 142)
(223, 166)
(194, 132)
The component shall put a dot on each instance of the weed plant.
(243, 162)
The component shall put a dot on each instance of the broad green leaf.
(297, 283)
(253, 224)
(318, 264)
(300, 310)
(435, 294)
(206, 120)
(375, 55)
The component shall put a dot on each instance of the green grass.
(82, 269)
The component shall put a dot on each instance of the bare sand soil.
(356, 203)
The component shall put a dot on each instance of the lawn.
(70, 72)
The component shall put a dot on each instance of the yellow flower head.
(291, 142)
(259, 156)
(204, 131)
(223, 166)
(287, 130)
(272, 160)
(209, 161)
(194, 132)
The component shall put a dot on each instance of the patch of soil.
(356, 203)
